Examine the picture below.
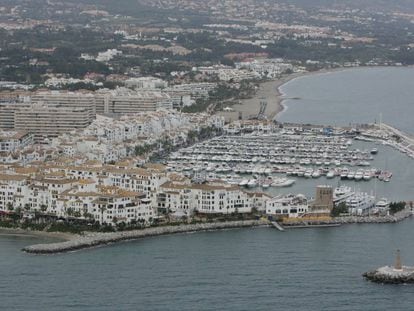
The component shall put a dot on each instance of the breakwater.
(97, 239)
(397, 217)
(390, 275)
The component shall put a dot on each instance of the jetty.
(90, 240)
(397, 274)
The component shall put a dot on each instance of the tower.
(323, 199)
(398, 265)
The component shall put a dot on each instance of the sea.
(244, 269)
(351, 97)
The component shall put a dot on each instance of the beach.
(268, 91)
(17, 232)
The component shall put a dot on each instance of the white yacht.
(360, 203)
(342, 193)
(330, 174)
(282, 182)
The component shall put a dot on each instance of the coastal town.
(119, 159)
(206, 155)
(123, 144)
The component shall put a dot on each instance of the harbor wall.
(96, 239)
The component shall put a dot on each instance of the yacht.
(342, 193)
(252, 183)
(360, 203)
(359, 175)
(316, 174)
(382, 205)
(282, 182)
(330, 174)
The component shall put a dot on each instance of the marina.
(277, 159)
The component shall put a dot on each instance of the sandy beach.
(268, 91)
(63, 236)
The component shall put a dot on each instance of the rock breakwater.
(97, 239)
(390, 275)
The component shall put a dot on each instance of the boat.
(367, 176)
(351, 175)
(374, 151)
(330, 174)
(341, 193)
(308, 174)
(316, 174)
(244, 183)
(360, 203)
(282, 182)
(382, 205)
(359, 175)
(252, 183)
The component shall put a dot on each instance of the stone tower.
(323, 199)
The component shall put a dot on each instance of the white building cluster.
(267, 68)
(117, 193)
(227, 73)
(111, 139)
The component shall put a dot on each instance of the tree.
(69, 211)
(397, 206)
(10, 206)
(339, 209)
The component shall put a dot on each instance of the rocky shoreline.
(89, 240)
(397, 217)
(93, 239)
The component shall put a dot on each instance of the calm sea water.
(246, 269)
(352, 96)
(357, 96)
(243, 269)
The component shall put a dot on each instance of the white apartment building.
(11, 141)
(287, 206)
(214, 198)
(125, 101)
(47, 121)
(148, 83)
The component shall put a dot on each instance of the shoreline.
(64, 236)
(270, 91)
(74, 242)
(91, 240)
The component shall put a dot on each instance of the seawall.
(96, 239)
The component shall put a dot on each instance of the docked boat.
(252, 183)
(359, 175)
(360, 203)
(341, 193)
(330, 174)
(382, 205)
(316, 174)
(282, 182)
(367, 176)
